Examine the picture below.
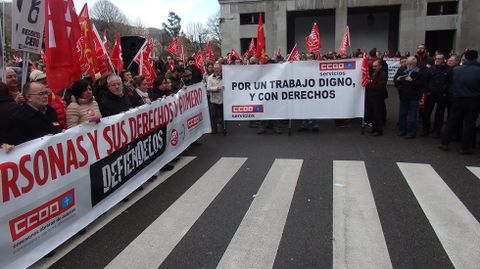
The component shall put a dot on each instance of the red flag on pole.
(173, 47)
(105, 41)
(200, 61)
(294, 55)
(209, 53)
(345, 42)
(251, 49)
(365, 73)
(261, 47)
(117, 58)
(88, 41)
(145, 62)
(61, 46)
(104, 63)
(312, 41)
(232, 54)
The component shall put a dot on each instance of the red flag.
(209, 53)
(105, 41)
(312, 41)
(101, 53)
(261, 47)
(173, 47)
(145, 62)
(365, 73)
(61, 45)
(245, 57)
(345, 42)
(251, 49)
(294, 55)
(117, 58)
(232, 54)
(200, 61)
(88, 41)
(171, 64)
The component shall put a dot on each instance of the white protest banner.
(393, 65)
(297, 90)
(28, 19)
(54, 186)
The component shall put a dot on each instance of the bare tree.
(107, 16)
(106, 11)
(196, 33)
(213, 27)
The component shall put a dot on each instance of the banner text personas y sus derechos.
(54, 186)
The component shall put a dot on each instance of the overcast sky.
(153, 13)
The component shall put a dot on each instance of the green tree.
(173, 26)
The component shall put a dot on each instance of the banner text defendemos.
(55, 160)
(297, 89)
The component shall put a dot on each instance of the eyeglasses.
(41, 93)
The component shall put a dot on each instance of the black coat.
(466, 80)
(112, 104)
(28, 123)
(155, 94)
(135, 99)
(7, 108)
(439, 79)
(410, 90)
(197, 75)
(378, 86)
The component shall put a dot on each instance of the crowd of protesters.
(443, 81)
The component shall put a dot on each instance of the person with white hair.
(115, 100)
(409, 84)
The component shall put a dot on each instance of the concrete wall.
(412, 25)
(367, 36)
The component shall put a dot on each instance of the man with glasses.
(35, 118)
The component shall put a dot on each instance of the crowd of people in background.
(442, 81)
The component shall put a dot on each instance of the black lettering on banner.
(111, 172)
(34, 11)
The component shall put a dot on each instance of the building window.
(442, 8)
(245, 44)
(251, 18)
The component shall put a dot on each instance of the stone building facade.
(394, 25)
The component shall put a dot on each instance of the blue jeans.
(408, 117)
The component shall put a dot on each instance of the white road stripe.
(256, 240)
(358, 240)
(456, 228)
(103, 220)
(474, 170)
(154, 244)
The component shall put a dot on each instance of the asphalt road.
(306, 239)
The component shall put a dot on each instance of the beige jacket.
(213, 86)
(82, 112)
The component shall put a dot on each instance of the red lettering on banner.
(94, 140)
(82, 151)
(71, 156)
(9, 183)
(26, 173)
(40, 179)
(57, 161)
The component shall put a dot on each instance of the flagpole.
(104, 51)
(26, 56)
(141, 49)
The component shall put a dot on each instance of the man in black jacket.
(465, 102)
(409, 84)
(7, 108)
(116, 99)
(438, 78)
(35, 118)
(376, 90)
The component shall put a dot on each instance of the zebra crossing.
(357, 236)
